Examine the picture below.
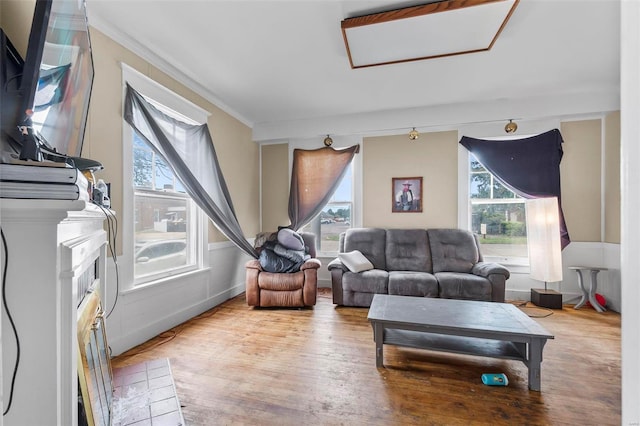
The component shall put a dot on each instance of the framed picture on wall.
(406, 195)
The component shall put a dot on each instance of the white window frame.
(464, 209)
(149, 88)
(356, 185)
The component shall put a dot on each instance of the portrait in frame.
(406, 196)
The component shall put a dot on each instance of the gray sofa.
(443, 263)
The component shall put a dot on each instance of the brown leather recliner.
(296, 289)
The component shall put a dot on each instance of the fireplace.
(56, 270)
(55, 282)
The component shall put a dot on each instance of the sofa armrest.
(337, 269)
(497, 276)
(311, 264)
(484, 269)
(337, 264)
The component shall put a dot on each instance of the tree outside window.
(497, 216)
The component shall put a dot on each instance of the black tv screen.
(56, 82)
(11, 67)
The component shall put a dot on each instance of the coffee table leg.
(535, 361)
(378, 337)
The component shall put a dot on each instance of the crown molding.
(444, 117)
(134, 46)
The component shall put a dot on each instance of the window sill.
(516, 268)
(164, 281)
(514, 265)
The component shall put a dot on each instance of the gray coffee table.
(491, 329)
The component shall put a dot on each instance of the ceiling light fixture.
(510, 127)
(413, 134)
(328, 141)
(432, 30)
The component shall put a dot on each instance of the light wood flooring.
(239, 365)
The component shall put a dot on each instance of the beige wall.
(15, 20)
(580, 174)
(612, 178)
(433, 157)
(237, 153)
(275, 186)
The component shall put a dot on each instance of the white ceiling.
(270, 62)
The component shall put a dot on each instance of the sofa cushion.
(456, 285)
(452, 250)
(373, 281)
(410, 283)
(355, 261)
(368, 241)
(408, 250)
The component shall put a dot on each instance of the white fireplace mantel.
(50, 244)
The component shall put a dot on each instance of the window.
(497, 217)
(165, 233)
(336, 217)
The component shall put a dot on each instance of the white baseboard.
(140, 335)
(324, 283)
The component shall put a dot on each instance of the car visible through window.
(157, 255)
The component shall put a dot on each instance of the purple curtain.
(530, 167)
(315, 176)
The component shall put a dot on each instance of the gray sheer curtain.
(315, 176)
(192, 158)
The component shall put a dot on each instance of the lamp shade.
(543, 239)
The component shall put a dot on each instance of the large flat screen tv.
(48, 101)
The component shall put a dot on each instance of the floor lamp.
(545, 258)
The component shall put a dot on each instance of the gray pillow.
(290, 239)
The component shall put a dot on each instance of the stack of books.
(53, 181)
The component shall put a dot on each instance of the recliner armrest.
(253, 264)
(484, 269)
(312, 263)
(337, 264)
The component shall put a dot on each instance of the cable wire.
(13, 325)
(112, 234)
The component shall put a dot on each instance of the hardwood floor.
(239, 365)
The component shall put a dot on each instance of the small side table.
(589, 294)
